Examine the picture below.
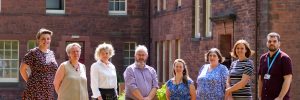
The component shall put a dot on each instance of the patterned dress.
(180, 91)
(212, 85)
(40, 83)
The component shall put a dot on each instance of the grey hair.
(106, 47)
(141, 48)
(69, 46)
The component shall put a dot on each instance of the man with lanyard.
(275, 71)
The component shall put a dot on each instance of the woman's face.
(213, 57)
(44, 40)
(74, 53)
(104, 55)
(240, 50)
(178, 67)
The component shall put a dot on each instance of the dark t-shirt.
(282, 66)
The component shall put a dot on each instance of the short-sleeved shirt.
(143, 79)
(237, 69)
(212, 85)
(40, 82)
(282, 66)
(179, 91)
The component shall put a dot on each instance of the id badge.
(267, 76)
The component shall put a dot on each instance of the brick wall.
(20, 20)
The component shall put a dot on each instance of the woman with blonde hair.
(103, 74)
(241, 70)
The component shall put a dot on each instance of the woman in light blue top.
(211, 81)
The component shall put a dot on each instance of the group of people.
(214, 82)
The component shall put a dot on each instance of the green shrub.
(122, 96)
(161, 93)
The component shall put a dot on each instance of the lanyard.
(270, 65)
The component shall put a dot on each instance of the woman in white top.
(103, 74)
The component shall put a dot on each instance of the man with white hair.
(140, 79)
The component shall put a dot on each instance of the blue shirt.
(212, 85)
(179, 91)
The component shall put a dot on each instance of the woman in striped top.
(238, 83)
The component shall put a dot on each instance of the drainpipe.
(256, 47)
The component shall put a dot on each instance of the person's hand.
(227, 92)
(228, 96)
(278, 98)
(147, 98)
(100, 98)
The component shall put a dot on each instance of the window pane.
(15, 55)
(31, 44)
(15, 45)
(53, 4)
(122, 6)
(126, 62)
(132, 53)
(14, 73)
(1, 45)
(1, 54)
(111, 6)
(131, 61)
(8, 45)
(117, 4)
(7, 55)
(126, 46)
(6, 73)
(14, 63)
(1, 73)
(126, 54)
(132, 46)
(3, 64)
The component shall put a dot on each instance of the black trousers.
(108, 94)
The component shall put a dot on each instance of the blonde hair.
(106, 47)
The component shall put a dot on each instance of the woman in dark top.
(39, 84)
(241, 70)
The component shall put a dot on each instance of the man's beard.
(272, 49)
(140, 63)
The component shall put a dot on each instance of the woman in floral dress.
(180, 87)
(39, 83)
(211, 81)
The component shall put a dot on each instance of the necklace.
(75, 67)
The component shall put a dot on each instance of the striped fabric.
(237, 69)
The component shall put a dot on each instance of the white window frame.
(169, 42)
(129, 50)
(197, 19)
(113, 12)
(16, 79)
(52, 11)
(0, 5)
(164, 61)
(164, 4)
(158, 5)
(208, 24)
(157, 59)
(179, 3)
